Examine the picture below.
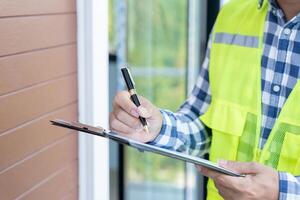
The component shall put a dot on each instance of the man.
(248, 93)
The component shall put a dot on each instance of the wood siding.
(38, 82)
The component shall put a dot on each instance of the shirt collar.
(273, 4)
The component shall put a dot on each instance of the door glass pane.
(156, 53)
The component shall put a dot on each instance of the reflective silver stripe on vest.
(234, 39)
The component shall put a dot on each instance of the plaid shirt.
(183, 131)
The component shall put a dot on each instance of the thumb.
(144, 112)
(241, 167)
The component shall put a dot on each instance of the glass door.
(156, 52)
(163, 42)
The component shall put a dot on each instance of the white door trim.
(92, 38)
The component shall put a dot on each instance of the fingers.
(207, 172)
(122, 99)
(146, 108)
(118, 126)
(221, 179)
(226, 193)
(143, 112)
(138, 135)
(241, 167)
(126, 118)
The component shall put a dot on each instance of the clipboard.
(98, 131)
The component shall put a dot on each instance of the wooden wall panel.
(38, 82)
(36, 32)
(24, 106)
(23, 70)
(21, 139)
(17, 180)
(65, 178)
(35, 7)
(72, 195)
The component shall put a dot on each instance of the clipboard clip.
(78, 125)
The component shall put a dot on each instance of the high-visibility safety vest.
(235, 80)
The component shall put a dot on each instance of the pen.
(133, 96)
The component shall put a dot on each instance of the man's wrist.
(165, 130)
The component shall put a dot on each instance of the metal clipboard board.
(98, 131)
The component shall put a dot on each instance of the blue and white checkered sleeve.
(289, 186)
(183, 131)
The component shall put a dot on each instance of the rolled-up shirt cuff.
(164, 138)
(289, 186)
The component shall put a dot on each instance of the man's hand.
(261, 182)
(124, 118)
